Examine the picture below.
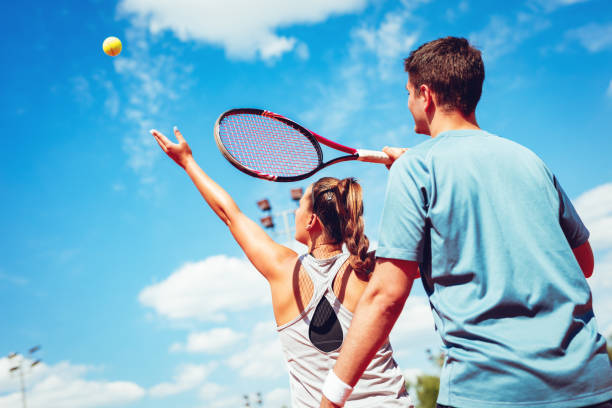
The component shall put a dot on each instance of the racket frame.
(314, 138)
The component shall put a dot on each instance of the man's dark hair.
(452, 69)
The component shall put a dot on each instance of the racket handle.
(373, 156)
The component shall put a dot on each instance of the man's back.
(493, 232)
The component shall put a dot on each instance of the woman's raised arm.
(267, 256)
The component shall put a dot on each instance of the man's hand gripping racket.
(269, 146)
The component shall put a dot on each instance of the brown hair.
(339, 206)
(452, 68)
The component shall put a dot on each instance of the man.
(501, 252)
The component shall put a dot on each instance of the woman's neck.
(325, 250)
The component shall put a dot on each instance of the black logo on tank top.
(325, 331)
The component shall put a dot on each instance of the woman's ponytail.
(339, 206)
(353, 236)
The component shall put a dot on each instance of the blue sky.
(109, 257)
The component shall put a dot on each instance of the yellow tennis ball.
(112, 46)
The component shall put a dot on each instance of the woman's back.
(312, 339)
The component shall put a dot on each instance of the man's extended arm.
(376, 313)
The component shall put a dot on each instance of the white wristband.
(335, 390)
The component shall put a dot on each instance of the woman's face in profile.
(302, 216)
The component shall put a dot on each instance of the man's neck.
(444, 121)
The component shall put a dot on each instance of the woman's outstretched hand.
(179, 152)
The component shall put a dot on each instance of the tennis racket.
(269, 146)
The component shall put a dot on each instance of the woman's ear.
(312, 222)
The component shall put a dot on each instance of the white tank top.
(311, 344)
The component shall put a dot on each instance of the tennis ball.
(112, 46)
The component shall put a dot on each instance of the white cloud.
(63, 386)
(341, 99)
(415, 321)
(302, 51)
(213, 341)
(414, 333)
(152, 85)
(207, 290)
(396, 136)
(112, 101)
(210, 391)
(261, 359)
(608, 330)
(82, 90)
(118, 187)
(15, 280)
(245, 29)
(452, 13)
(189, 376)
(552, 5)
(595, 210)
(277, 398)
(411, 374)
(229, 400)
(502, 36)
(602, 303)
(263, 356)
(594, 37)
(601, 280)
(389, 42)
(218, 396)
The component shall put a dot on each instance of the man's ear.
(428, 97)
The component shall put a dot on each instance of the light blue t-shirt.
(493, 232)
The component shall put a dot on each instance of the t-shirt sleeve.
(402, 226)
(575, 231)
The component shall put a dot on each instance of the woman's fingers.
(167, 142)
(179, 152)
(179, 135)
(159, 140)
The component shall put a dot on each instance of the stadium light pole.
(258, 400)
(268, 220)
(19, 367)
(296, 194)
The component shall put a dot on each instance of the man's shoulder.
(473, 141)
(457, 148)
(445, 140)
(418, 152)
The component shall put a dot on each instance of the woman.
(313, 295)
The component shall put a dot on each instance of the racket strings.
(267, 145)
